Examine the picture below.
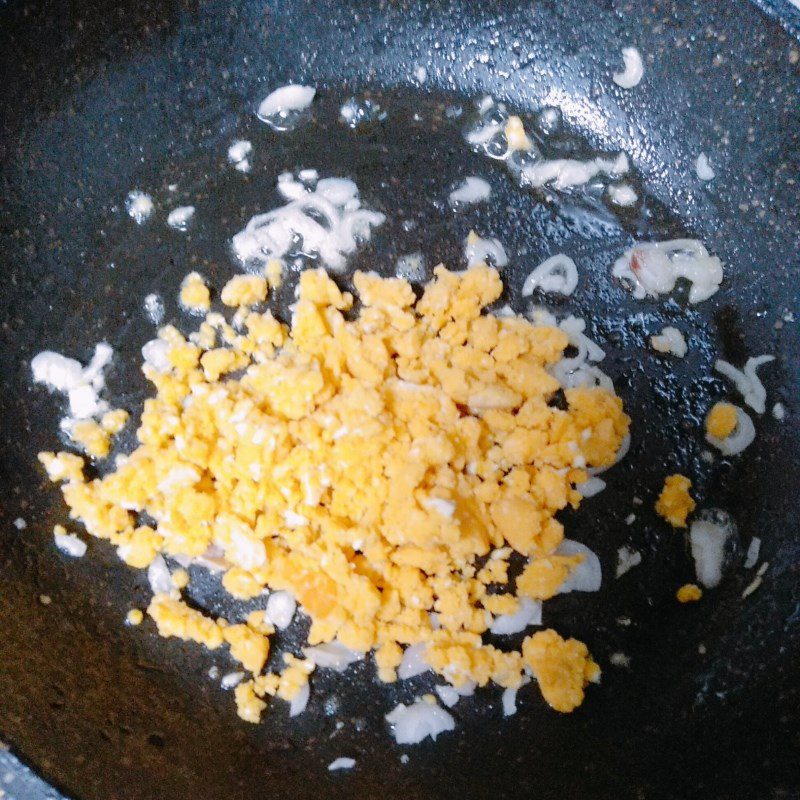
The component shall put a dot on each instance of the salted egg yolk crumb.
(562, 668)
(244, 290)
(721, 420)
(91, 437)
(194, 294)
(134, 617)
(675, 503)
(274, 273)
(689, 593)
(368, 465)
(515, 135)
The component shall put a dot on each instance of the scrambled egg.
(721, 420)
(689, 593)
(365, 465)
(515, 135)
(93, 437)
(134, 617)
(675, 503)
(195, 295)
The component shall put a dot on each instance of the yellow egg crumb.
(138, 547)
(515, 135)
(689, 593)
(274, 273)
(721, 420)
(294, 676)
(194, 294)
(248, 705)
(180, 579)
(112, 422)
(244, 290)
(134, 617)
(675, 503)
(92, 437)
(379, 467)
(174, 618)
(562, 668)
(248, 647)
(62, 466)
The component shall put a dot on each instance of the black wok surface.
(97, 100)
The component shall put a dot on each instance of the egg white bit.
(81, 385)
(588, 575)
(591, 486)
(70, 544)
(139, 206)
(450, 695)
(622, 194)
(358, 111)
(281, 607)
(231, 679)
(470, 191)
(779, 412)
(703, 168)
(325, 222)
(650, 269)
(413, 662)
(528, 613)
(411, 267)
(180, 217)
(746, 381)
(283, 109)
(634, 69)
(565, 173)
(627, 559)
(580, 369)
(298, 703)
(415, 722)
(556, 275)
(159, 577)
(156, 355)
(753, 552)
(620, 660)
(740, 438)
(154, 308)
(481, 251)
(670, 340)
(20, 524)
(332, 655)
(343, 762)
(502, 137)
(708, 538)
(509, 698)
(239, 155)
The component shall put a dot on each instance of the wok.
(98, 99)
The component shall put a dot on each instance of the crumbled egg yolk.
(675, 503)
(93, 437)
(364, 466)
(134, 617)
(274, 273)
(244, 290)
(112, 422)
(721, 420)
(194, 294)
(515, 135)
(562, 668)
(689, 593)
(249, 705)
(180, 579)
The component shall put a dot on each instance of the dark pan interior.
(99, 99)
